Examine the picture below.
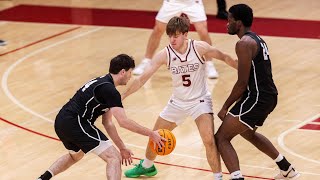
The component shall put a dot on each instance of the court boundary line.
(41, 40)
(157, 162)
(285, 133)
(12, 66)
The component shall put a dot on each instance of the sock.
(217, 176)
(46, 176)
(146, 60)
(236, 175)
(279, 158)
(283, 163)
(147, 163)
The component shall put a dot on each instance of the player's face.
(177, 40)
(126, 77)
(232, 25)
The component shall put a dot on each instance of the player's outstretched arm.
(158, 60)
(131, 125)
(212, 52)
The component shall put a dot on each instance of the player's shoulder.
(201, 45)
(246, 41)
(107, 87)
(162, 53)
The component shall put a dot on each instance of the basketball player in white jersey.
(195, 11)
(191, 97)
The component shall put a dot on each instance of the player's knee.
(219, 138)
(249, 136)
(77, 156)
(208, 141)
(114, 160)
(158, 30)
(202, 32)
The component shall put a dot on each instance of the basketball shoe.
(140, 68)
(291, 173)
(139, 170)
(3, 43)
(211, 70)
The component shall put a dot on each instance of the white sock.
(236, 175)
(217, 176)
(50, 172)
(146, 60)
(147, 163)
(279, 158)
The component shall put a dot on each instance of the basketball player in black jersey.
(75, 127)
(256, 96)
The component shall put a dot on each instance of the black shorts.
(252, 111)
(76, 133)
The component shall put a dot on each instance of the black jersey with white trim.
(260, 79)
(94, 98)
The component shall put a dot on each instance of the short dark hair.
(243, 13)
(122, 61)
(177, 24)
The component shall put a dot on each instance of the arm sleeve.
(108, 94)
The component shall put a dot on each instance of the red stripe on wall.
(145, 19)
(311, 127)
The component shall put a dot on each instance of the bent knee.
(114, 159)
(219, 137)
(159, 29)
(209, 141)
(76, 156)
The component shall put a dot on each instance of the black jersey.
(94, 99)
(260, 79)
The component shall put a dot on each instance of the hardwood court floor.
(44, 64)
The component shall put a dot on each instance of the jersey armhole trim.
(168, 57)
(94, 90)
(197, 54)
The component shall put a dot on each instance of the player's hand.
(157, 139)
(126, 156)
(222, 113)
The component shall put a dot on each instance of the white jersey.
(188, 72)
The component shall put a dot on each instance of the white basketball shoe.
(211, 70)
(140, 68)
(291, 173)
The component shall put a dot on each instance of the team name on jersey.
(184, 68)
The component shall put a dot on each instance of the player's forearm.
(112, 132)
(231, 62)
(135, 86)
(236, 93)
(135, 127)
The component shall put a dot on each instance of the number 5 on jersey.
(186, 80)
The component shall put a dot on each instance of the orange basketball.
(169, 145)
